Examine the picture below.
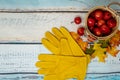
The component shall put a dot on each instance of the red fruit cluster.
(80, 31)
(101, 22)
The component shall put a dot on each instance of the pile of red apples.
(101, 22)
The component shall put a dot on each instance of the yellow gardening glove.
(56, 67)
(69, 47)
(61, 44)
(62, 67)
(52, 41)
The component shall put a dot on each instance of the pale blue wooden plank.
(21, 77)
(22, 58)
(37, 4)
(114, 76)
(18, 58)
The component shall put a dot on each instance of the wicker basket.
(114, 14)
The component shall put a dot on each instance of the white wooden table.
(21, 29)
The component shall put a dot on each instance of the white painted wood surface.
(22, 58)
(18, 58)
(30, 27)
(26, 21)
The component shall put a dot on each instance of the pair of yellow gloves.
(67, 59)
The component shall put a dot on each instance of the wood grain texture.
(115, 76)
(30, 27)
(22, 25)
(50, 5)
(18, 58)
(17, 62)
(22, 58)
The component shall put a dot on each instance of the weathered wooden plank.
(113, 76)
(18, 58)
(21, 77)
(54, 4)
(17, 61)
(30, 27)
(22, 58)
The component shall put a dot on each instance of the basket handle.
(114, 3)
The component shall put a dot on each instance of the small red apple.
(77, 20)
(98, 14)
(96, 24)
(111, 23)
(92, 14)
(105, 29)
(107, 15)
(91, 22)
(90, 28)
(100, 22)
(80, 31)
(97, 31)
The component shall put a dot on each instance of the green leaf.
(90, 50)
(104, 43)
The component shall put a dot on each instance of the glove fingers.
(52, 39)
(48, 57)
(50, 46)
(77, 51)
(45, 64)
(64, 47)
(57, 33)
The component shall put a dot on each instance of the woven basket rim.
(114, 14)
